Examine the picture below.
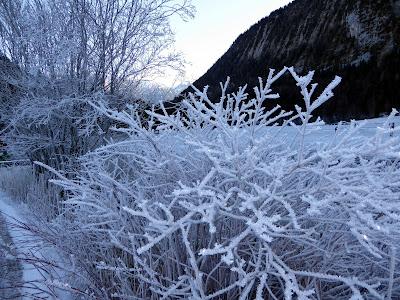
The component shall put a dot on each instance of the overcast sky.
(216, 25)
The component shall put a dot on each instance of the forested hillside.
(356, 39)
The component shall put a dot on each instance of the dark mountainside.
(355, 39)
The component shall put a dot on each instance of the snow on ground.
(30, 251)
(325, 133)
(10, 268)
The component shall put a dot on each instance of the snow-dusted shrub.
(226, 200)
(53, 128)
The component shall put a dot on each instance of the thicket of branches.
(218, 201)
(97, 44)
(55, 57)
(63, 54)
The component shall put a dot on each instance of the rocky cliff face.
(356, 39)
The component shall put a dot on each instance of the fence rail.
(12, 163)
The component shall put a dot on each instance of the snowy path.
(10, 267)
(30, 252)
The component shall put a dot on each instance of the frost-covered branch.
(225, 199)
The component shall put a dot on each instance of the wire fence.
(13, 163)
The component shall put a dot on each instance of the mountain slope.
(356, 39)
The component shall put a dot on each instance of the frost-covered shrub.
(226, 200)
(53, 128)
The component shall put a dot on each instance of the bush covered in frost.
(227, 200)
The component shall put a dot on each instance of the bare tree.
(98, 45)
(72, 51)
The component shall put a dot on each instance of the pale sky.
(215, 27)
